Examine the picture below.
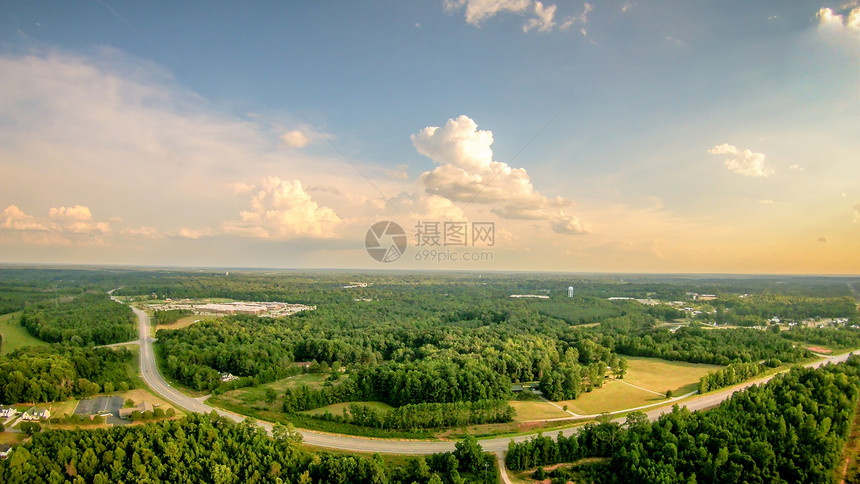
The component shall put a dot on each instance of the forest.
(439, 347)
(90, 319)
(406, 340)
(209, 448)
(57, 372)
(791, 429)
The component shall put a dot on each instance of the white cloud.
(282, 209)
(543, 20)
(569, 225)
(295, 139)
(766, 202)
(15, 219)
(743, 162)
(61, 224)
(857, 212)
(77, 219)
(467, 173)
(828, 17)
(795, 167)
(540, 17)
(479, 10)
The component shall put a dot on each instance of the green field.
(14, 335)
(614, 396)
(651, 374)
(661, 375)
(338, 408)
(536, 410)
(250, 395)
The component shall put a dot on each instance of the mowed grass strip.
(660, 375)
(338, 408)
(529, 410)
(614, 396)
(14, 335)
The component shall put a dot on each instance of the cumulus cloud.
(468, 173)
(295, 139)
(795, 167)
(61, 222)
(569, 225)
(849, 18)
(77, 219)
(540, 17)
(282, 209)
(743, 162)
(857, 212)
(15, 219)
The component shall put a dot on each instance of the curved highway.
(153, 378)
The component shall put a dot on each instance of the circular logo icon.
(385, 241)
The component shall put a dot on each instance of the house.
(6, 412)
(142, 407)
(5, 450)
(34, 413)
(225, 377)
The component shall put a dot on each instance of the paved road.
(335, 441)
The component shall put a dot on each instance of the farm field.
(14, 335)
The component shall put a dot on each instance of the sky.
(616, 136)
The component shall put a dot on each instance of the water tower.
(570, 291)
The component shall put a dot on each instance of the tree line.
(425, 415)
(731, 375)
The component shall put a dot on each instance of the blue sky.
(626, 136)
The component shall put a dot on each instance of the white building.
(34, 413)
